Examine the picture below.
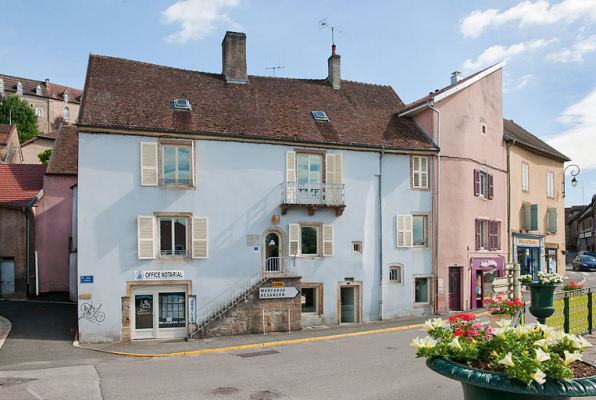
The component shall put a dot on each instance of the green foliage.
(23, 116)
(44, 156)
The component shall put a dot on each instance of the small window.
(39, 112)
(419, 230)
(320, 116)
(525, 177)
(38, 90)
(173, 237)
(550, 185)
(19, 89)
(357, 247)
(483, 129)
(310, 303)
(421, 290)
(395, 274)
(66, 113)
(66, 97)
(483, 184)
(419, 172)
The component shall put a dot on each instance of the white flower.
(579, 342)
(507, 361)
(455, 343)
(538, 376)
(500, 332)
(541, 343)
(504, 323)
(522, 330)
(541, 356)
(433, 324)
(571, 357)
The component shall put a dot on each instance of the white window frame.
(38, 90)
(398, 270)
(484, 233)
(550, 185)
(429, 290)
(187, 251)
(176, 182)
(419, 176)
(483, 184)
(66, 113)
(66, 97)
(39, 112)
(149, 240)
(425, 218)
(525, 177)
(325, 239)
(19, 89)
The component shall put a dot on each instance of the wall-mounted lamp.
(573, 174)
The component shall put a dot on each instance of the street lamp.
(573, 174)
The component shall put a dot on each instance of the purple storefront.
(484, 272)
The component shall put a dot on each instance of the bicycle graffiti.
(92, 313)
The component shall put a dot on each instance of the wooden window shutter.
(328, 240)
(294, 240)
(490, 187)
(339, 169)
(534, 217)
(200, 238)
(498, 235)
(527, 216)
(399, 225)
(424, 172)
(476, 182)
(415, 171)
(478, 232)
(149, 164)
(493, 242)
(329, 170)
(291, 190)
(404, 231)
(146, 237)
(408, 230)
(552, 220)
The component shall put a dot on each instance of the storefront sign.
(582, 235)
(192, 308)
(252, 240)
(86, 278)
(524, 242)
(279, 293)
(158, 275)
(588, 234)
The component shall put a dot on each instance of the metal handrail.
(313, 194)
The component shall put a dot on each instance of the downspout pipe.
(510, 251)
(381, 268)
(28, 237)
(435, 271)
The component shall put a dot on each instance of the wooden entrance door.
(455, 288)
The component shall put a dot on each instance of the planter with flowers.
(572, 286)
(526, 362)
(502, 309)
(542, 294)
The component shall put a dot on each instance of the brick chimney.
(334, 74)
(47, 83)
(456, 77)
(234, 57)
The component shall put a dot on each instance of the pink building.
(54, 215)
(470, 186)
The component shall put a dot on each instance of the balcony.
(313, 196)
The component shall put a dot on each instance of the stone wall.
(255, 315)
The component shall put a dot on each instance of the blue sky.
(413, 46)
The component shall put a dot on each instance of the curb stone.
(5, 327)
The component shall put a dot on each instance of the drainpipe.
(510, 250)
(27, 247)
(28, 239)
(381, 295)
(436, 266)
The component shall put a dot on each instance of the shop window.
(310, 300)
(395, 274)
(483, 184)
(172, 308)
(421, 290)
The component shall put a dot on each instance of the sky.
(549, 84)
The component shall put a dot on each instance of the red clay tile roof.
(5, 131)
(54, 91)
(65, 155)
(121, 93)
(20, 183)
(526, 139)
(49, 135)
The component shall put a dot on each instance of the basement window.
(181, 104)
(320, 116)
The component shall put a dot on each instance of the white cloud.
(529, 13)
(198, 18)
(499, 53)
(519, 83)
(577, 141)
(576, 52)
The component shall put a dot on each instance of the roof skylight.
(320, 116)
(181, 104)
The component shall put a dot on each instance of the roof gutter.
(536, 148)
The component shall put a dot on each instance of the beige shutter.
(423, 172)
(408, 230)
(149, 164)
(328, 240)
(294, 239)
(329, 170)
(415, 172)
(400, 230)
(291, 177)
(200, 238)
(146, 237)
(339, 170)
(193, 167)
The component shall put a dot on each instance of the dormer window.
(1, 86)
(38, 90)
(181, 104)
(320, 116)
(19, 89)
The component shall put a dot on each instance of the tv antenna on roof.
(323, 24)
(274, 68)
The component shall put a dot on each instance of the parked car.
(584, 262)
(587, 253)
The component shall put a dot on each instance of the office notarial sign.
(278, 292)
(158, 275)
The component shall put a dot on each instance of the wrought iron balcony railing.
(176, 182)
(312, 194)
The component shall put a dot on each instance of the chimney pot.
(334, 69)
(456, 77)
(234, 57)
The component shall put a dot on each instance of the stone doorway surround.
(357, 301)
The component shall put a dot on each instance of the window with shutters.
(172, 236)
(525, 177)
(552, 220)
(395, 274)
(420, 230)
(311, 239)
(419, 168)
(483, 184)
(488, 234)
(168, 164)
(550, 185)
(404, 230)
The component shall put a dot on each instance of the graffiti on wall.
(92, 313)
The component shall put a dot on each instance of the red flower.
(458, 332)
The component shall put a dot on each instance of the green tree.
(44, 156)
(19, 112)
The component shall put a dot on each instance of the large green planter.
(486, 385)
(542, 298)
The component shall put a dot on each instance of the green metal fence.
(574, 311)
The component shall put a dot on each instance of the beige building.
(10, 151)
(32, 147)
(49, 100)
(536, 202)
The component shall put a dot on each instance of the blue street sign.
(86, 278)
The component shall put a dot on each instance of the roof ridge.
(152, 65)
(40, 82)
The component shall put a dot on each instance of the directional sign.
(278, 292)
